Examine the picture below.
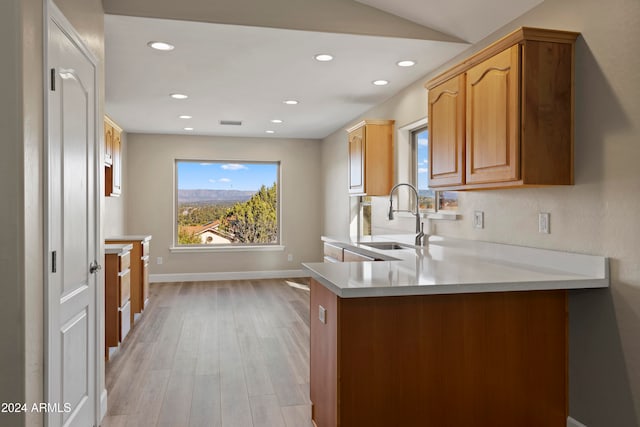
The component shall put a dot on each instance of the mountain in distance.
(197, 197)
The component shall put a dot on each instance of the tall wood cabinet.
(504, 117)
(112, 158)
(371, 163)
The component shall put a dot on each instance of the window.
(429, 200)
(222, 203)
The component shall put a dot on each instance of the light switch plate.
(478, 219)
(544, 224)
(322, 314)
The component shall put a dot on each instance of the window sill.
(238, 248)
(440, 215)
(447, 215)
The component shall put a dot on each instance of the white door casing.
(72, 221)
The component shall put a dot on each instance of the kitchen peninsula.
(455, 333)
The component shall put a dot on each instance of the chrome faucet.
(421, 239)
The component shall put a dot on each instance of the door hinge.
(54, 260)
(53, 79)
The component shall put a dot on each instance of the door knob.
(94, 267)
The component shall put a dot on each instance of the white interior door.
(72, 222)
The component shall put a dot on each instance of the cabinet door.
(145, 283)
(446, 133)
(356, 161)
(111, 284)
(323, 356)
(492, 142)
(108, 144)
(117, 164)
(125, 287)
(125, 320)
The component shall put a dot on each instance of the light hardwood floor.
(215, 354)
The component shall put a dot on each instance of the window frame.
(203, 247)
(437, 195)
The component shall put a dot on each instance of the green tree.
(256, 220)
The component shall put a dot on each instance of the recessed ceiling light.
(179, 96)
(161, 46)
(186, 117)
(323, 57)
(290, 102)
(270, 131)
(188, 128)
(380, 82)
(276, 121)
(406, 63)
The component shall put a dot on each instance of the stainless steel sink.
(386, 246)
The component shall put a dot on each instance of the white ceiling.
(239, 72)
(468, 20)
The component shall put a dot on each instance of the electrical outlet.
(544, 222)
(322, 314)
(290, 257)
(159, 260)
(478, 219)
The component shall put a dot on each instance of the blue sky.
(194, 175)
(423, 160)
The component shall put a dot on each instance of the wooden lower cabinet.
(486, 359)
(139, 271)
(117, 292)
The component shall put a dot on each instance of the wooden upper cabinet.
(371, 158)
(493, 149)
(356, 161)
(108, 143)
(112, 158)
(117, 164)
(518, 114)
(446, 130)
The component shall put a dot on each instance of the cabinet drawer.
(125, 287)
(145, 282)
(333, 252)
(145, 249)
(353, 256)
(125, 261)
(125, 320)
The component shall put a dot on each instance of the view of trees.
(254, 221)
(201, 213)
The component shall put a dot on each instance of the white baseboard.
(573, 423)
(103, 404)
(233, 275)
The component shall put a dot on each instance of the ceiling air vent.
(231, 122)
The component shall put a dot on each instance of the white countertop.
(450, 266)
(117, 248)
(140, 237)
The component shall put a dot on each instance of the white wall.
(151, 199)
(596, 215)
(21, 165)
(12, 366)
